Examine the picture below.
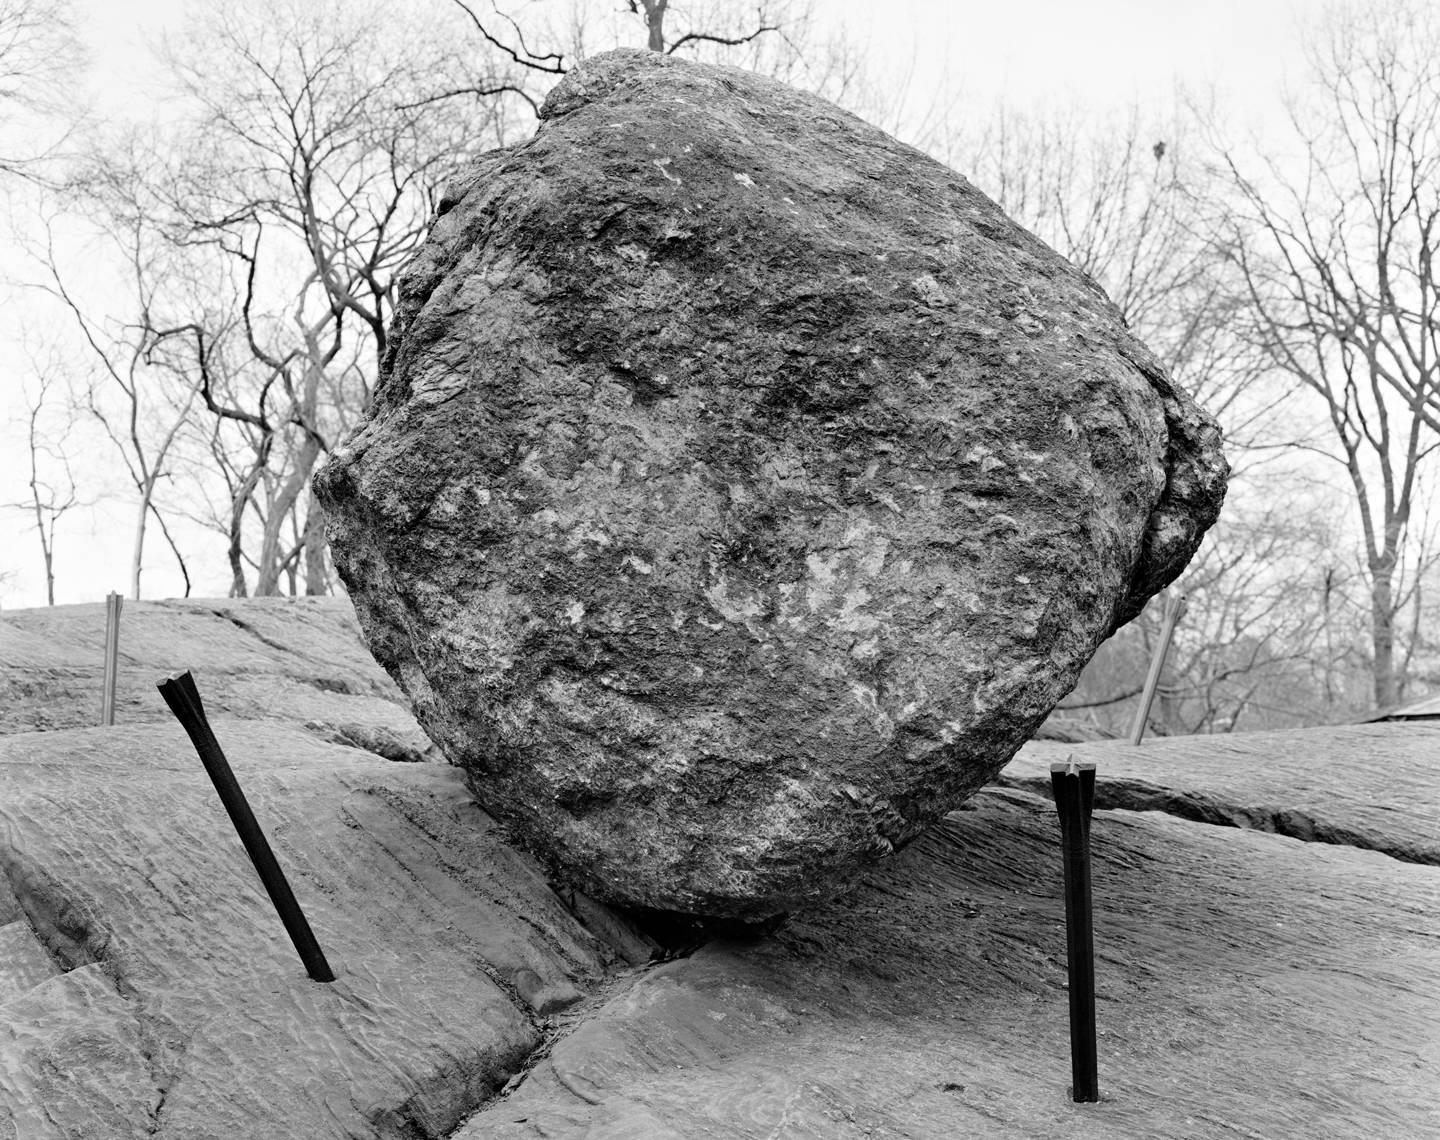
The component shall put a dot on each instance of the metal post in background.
(1074, 787)
(113, 603)
(1174, 607)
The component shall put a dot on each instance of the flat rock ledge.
(1355, 785)
(149, 989)
(1251, 983)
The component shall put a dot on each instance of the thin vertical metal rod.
(1074, 786)
(113, 604)
(1174, 606)
(183, 698)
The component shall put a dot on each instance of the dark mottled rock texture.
(742, 487)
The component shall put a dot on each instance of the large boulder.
(742, 487)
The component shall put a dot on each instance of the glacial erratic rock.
(742, 487)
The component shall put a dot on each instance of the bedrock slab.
(1249, 985)
(149, 989)
(742, 487)
(299, 660)
(1370, 786)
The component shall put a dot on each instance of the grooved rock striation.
(147, 987)
(742, 487)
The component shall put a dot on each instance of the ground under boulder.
(742, 487)
(1250, 984)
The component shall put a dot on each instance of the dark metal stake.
(183, 698)
(1074, 786)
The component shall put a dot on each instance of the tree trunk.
(136, 557)
(267, 582)
(317, 581)
(238, 589)
(1388, 689)
(47, 541)
(267, 576)
(655, 22)
(1168, 701)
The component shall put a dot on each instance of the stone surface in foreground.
(742, 487)
(1251, 984)
(1248, 985)
(148, 988)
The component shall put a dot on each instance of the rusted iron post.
(1074, 786)
(183, 698)
(113, 604)
(1174, 607)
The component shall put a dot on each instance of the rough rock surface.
(1357, 785)
(742, 487)
(1248, 985)
(147, 987)
(298, 660)
(1251, 985)
(158, 995)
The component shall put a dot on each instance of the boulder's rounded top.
(635, 74)
(597, 77)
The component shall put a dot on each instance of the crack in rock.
(335, 683)
(68, 931)
(1202, 807)
(375, 739)
(63, 927)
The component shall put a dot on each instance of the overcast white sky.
(1092, 53)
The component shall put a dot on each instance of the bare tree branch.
(551, 63)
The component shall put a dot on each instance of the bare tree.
(51, 481)
(141, 408)
(1117, 196)
(301, 171)
(541, 45)
(654, 12)
(1267, 638)
(1332, 255)
(27, 70)
(1131, 202)
(38, 51)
